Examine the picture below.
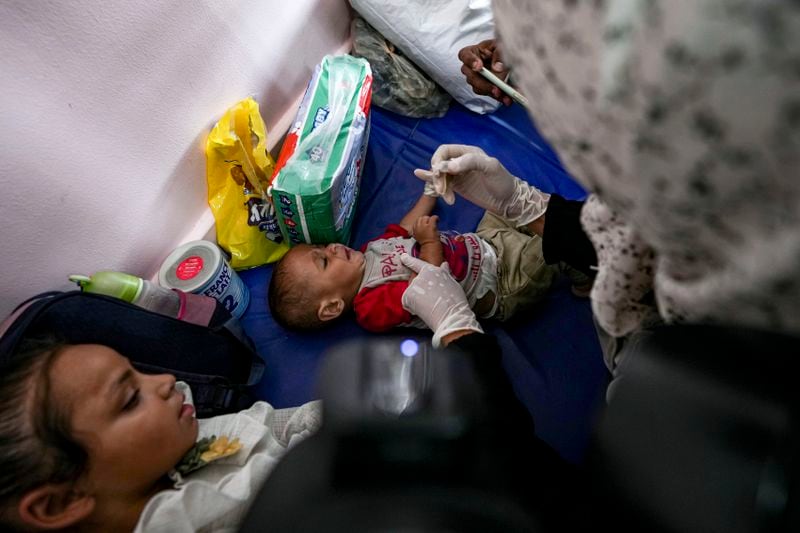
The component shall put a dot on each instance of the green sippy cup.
(118, 284)
(132, 289)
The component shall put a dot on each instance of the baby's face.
(331, 271)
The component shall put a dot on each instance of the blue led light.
(409, 347)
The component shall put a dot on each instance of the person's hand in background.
(477, 56)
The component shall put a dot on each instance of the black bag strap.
(218, 362)
(19, 321)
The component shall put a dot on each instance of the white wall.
(105, 107)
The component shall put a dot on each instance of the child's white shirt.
(217, 496)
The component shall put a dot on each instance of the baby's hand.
(425, 229)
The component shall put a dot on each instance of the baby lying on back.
(500, 269)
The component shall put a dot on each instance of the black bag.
(218, 361)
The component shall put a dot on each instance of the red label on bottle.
(189, 267)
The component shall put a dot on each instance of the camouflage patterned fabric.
(398, 84)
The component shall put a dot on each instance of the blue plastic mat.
(551, 355)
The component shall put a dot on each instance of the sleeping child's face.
(135, 427)
(331, 272)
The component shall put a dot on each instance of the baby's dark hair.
(291, 301)
(36, 444)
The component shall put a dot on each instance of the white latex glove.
(436, 298)
(484, 181)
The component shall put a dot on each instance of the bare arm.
(536, 226)
(423, 207)
(426, 233)
(450, 337)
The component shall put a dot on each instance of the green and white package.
(315, 186)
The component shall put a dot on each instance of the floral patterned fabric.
(682, 117)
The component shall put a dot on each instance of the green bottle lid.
(118, 284)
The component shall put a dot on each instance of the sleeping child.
(501, 270)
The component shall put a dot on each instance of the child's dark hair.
(36, 445)
(291, 302)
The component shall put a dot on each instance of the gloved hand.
(436, 298)
(483, 181)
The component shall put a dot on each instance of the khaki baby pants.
(523, 278)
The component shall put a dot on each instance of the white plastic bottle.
(132, 289)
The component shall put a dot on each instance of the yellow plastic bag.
(238, 171)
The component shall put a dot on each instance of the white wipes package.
(318, 172)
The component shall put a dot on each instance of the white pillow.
(430, 33)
